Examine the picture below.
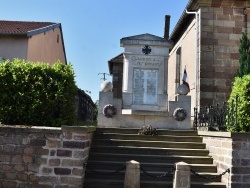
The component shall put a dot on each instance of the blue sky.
(92, 29)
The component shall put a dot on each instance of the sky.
(92, 29)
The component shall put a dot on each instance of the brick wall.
(43, 157)
(230, 150)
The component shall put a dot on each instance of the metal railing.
(216, 117)
(85, 106)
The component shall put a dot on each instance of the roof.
(116, 59)
(145, 39)
(193, 6)
(24, 27)
(182, 23)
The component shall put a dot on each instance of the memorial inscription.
(145, 86)
(146, 61)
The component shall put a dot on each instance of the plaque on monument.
(145, 86)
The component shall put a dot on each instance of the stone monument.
(144, 98)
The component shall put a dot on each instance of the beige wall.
(13, 47)
(45, 47)
(188, 56)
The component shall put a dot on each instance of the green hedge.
(241, 88)
(37, 94)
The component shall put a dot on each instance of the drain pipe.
(196, 51)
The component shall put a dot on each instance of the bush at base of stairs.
(241, 88)
(37, 94)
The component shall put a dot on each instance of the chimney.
(166, 28)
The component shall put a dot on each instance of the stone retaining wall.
(230, 150)
(43, 157)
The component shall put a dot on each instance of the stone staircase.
(112, 147)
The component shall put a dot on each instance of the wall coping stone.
(28, 129)
(78, 129)
(224, 134)
(41, 129)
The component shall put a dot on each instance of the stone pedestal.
(182, 175)
(132, 175)
(106, 98)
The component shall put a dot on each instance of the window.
(57, 40)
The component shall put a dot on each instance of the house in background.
(206, 41)
(32, 41)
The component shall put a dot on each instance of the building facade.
(206, 41)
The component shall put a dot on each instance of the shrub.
(241, 88)
(37, 94)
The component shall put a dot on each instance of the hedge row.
(241, 89)
(37, 94)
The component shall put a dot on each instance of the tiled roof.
(21, 27)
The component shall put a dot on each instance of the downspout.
(196, 51)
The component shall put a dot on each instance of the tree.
(244, 51)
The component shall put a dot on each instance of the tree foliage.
(37, 94)
(241, 88)
(95, 115)
(244, 61)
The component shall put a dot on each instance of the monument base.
(129, 118)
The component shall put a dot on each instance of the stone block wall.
(221, 30)
(230, 150)
(43, 157)
(117, 80)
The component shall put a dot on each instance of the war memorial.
(144, 98)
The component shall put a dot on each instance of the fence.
(216, 117)
(85, 107)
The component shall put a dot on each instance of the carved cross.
(146, 50)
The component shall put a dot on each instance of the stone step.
(144, 143)
(150, 175)
(150, 158)
(148, 150)
(154, 166)
(112, 147)
(136, 130)
(149, 138)
(94, 183)
(207, 185)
